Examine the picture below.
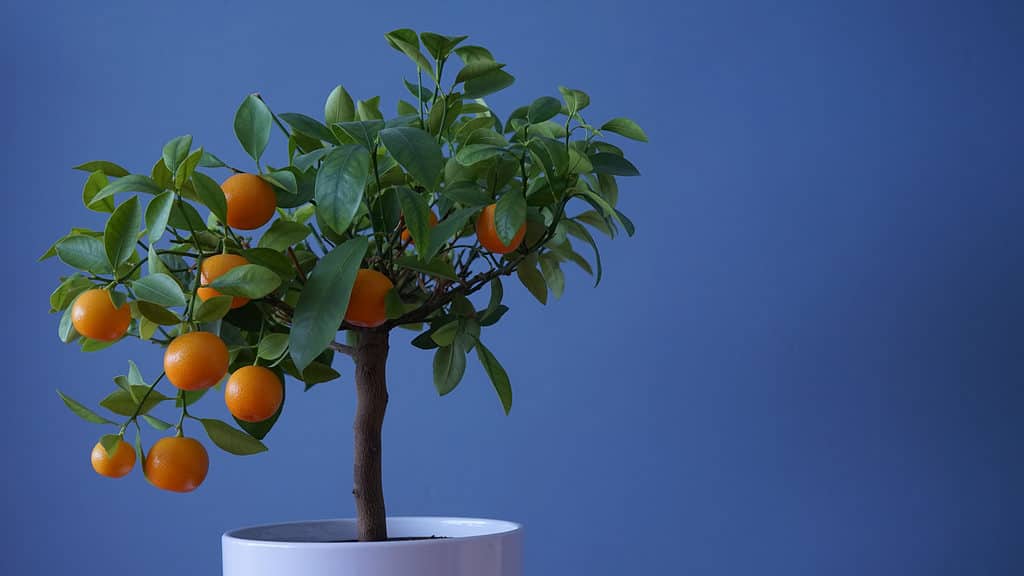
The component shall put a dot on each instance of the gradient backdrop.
(808, 360)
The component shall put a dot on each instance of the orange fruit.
(116, 465)
(177, 464)
(93, 315)
(407, 237)
(196, 361)
(253, 393)
(366, 304)
(214, 267)
(251, 201)
(487, 233)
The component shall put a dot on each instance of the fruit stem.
(371, 355)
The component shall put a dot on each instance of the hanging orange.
(251, 201)
(177, 464)
(93, 315)
(196, 361)
(366, 305)
(487, 233)
(113, 466)
(253, 393)
(214, 267)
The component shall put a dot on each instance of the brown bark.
(371, 355)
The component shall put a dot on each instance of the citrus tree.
(368, 224)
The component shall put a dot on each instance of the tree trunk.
(371, 358)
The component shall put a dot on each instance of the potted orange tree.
(367, 225)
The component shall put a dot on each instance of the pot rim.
(492, 526)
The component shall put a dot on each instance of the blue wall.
(808, 360)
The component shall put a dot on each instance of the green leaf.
(471, 54)
(110, 443)
(190, 397)
(437, 267)
(404, 108)
(575, 100)
(477, 69)
(449, 366)
(509, 215)
(369, 109)
(67, 291)
(175, 152)
(543, 108)
(324, 300)
(81, 411)
(604, 207)
(283, 234)
(306, 161)
(121, 401)
(363, 131)
(340, 184)
(272, 259)
(249, 280)
(130, 183)
(272, 346)
(533, 279)
(418, 91)
(157, 314)
(497, 292)
(489, 83)
(554, 278)
(122, 231)
(231, 440)
(405, 41)
(339, 106)
(417, 152)
(213, 309)
(134, 375)
(440, 45)
(156, 423)
(184, 216)
(309, 126)
(468, 194)
(445, 229)
(445, 335)
(93, 184)
(83, 252)
(159, 289)
(625, 127)
(157, 213)
(211, 195)
(252, 126)
(416, 213)
(208, 160)
(579, 231)
(283, 180)
(108, 168)
(473, 153)
(497, 374)
(65, 329)
(609, 163)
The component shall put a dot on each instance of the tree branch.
(343, 348)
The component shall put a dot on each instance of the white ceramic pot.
(462, 547)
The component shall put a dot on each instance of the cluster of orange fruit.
(199, 360)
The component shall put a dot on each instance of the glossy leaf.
(122, 402)
(474, 153)
(445, 229)
(130, 183)
(272, 346)
(509, 215)
(249, 280)
(340, 184)
(323, 301)
(109, 168)
(405, 41)
(488, 83)
(449, 366)
(416, 213)
(339, 106)
(212, 309)
(363, 131)
(437, 267)
(81, 411)
(157, 314)
(84, 253)
(543, 108)
(159, 289)
(309, 126)
(497, 374)
(609, 163)
(175, 152)
(625, 127)
(252, 126)
(417, 152)
(93, 184)
(477, 69)
(467, 193)
(157, 423)
(121, 232)
(231, 440)
(211, 195)
(283, 234)
(532, 279)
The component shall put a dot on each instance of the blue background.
(808, 360)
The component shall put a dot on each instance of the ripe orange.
(115, 466)
(253, 393)
(93, 315)
(214, 267)
(366, 304)
(251, 201)
(407, 237)
(487, 233)
(177, 464)
(196, 361)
